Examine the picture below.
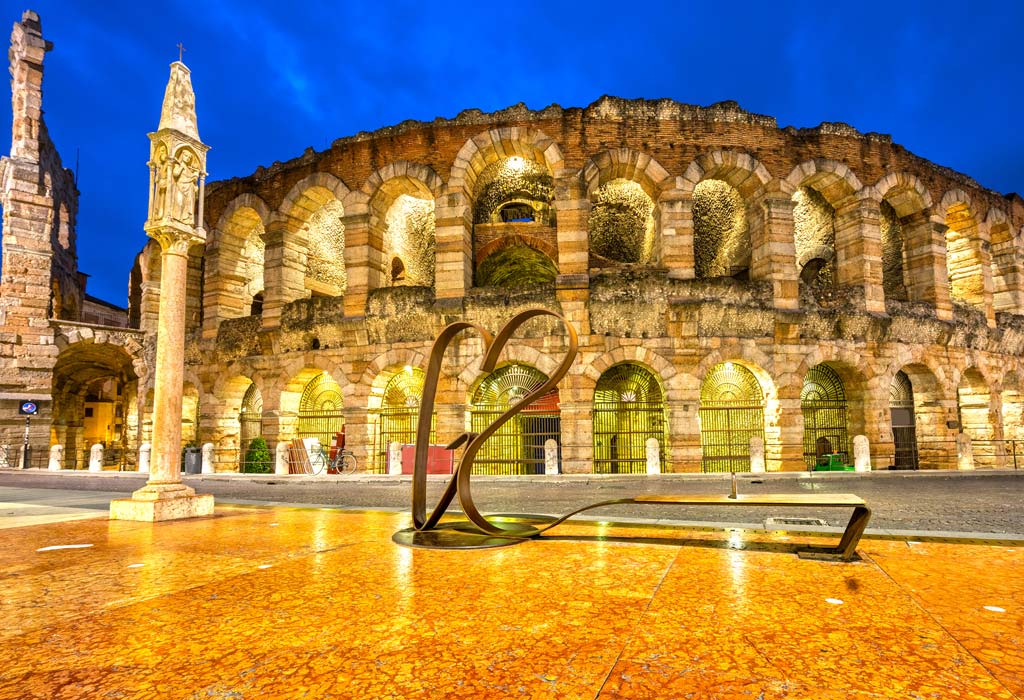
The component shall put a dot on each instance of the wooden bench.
(844, 551)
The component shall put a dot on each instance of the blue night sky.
(944, 78)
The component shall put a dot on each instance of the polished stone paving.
(276, 602)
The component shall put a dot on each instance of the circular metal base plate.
(461, 535)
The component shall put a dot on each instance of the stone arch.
(393, 408)
(739, 170)
(905, 230)
(401, 199)
(235, 261)
(978, 418)
(832, 179)
(306, 413)
(625, 164)
(969, 279)
(630, 407)
(312, 217)
(636, 354)
(733, 410)
(833, 404)
(1006, 267)
(933, 442)
(231, 425)
(499, 143)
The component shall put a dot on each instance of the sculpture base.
(460, 535)
(156, 502)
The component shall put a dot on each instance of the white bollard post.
(56, 458)
(281, 463)
(861, 454)
(208, 458)
(145, 449)
(964, 452)
(96, 458)
(394, 459)
(653, 456)
(550, 456)
(757, 455)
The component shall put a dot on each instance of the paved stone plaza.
(283, 602)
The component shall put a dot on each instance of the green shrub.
(257, 458)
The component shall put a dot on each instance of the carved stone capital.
(175, 240)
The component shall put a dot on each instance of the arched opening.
(243, 232)
(396, 417)
(904, 427)
(963, 256)
(516, 267)
(518, 446)
(824, 407)
(621, 224)
(721, 239)
(93, 385)
(815, 231)
(320, 409)
(894, 284)
(524, 184)
(974, 404)
(409, 240)
(731, 413)
(325, 263)
(629, 409)
(1004, 274)
(250, 424)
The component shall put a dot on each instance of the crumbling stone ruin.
(733, 282)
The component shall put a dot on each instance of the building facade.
(730, 281)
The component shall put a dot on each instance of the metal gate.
(518, 446)
(731, 413)
(250, 423)
(629, 409)
(320, 409)
(904, 431)
(823, 404)
(396, 419)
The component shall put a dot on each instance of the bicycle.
(344, 462)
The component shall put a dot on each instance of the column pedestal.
(156, 502)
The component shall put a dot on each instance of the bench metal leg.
(855, 528)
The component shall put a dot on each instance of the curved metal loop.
(419, 474)
(460, 481)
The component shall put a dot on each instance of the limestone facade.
(730, 280)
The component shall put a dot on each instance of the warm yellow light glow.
(408, 369)
(728, 367)
(516, 163)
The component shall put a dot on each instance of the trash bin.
(193, 461)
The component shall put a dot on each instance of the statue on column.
(186, 174)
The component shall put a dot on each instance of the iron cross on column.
(181, 52)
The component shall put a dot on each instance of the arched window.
(250, 421)
(904, 431)
(629, 409)
(823, 404)
(320, 409)
(518, 446)
(731, 413)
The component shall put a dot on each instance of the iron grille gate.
(518, 446)
(824, 430)
(621, 431)
(725, 432)
(320, 424)
(901, 412)
(396, 425)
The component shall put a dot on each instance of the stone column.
(859, 249)
(177, 171)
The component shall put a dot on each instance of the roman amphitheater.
(732, 282)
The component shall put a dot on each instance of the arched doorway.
(974, 407)
(518, 446)
(250, 423)
(904, 430)
(398, 415)
(824, 407)
(320, 409)
(629, 409)
(731, 413)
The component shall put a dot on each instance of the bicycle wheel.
(317, 461)
(347, 464)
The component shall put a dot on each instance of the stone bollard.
(550, 456)
(56, 458)
(394, 459)
(653, 456)
(964, 452)
(281, 463)
(208, 458)
(861, 454)
(145, 449)
(757, 455)
(96, 458)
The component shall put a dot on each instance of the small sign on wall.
(28, 408)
